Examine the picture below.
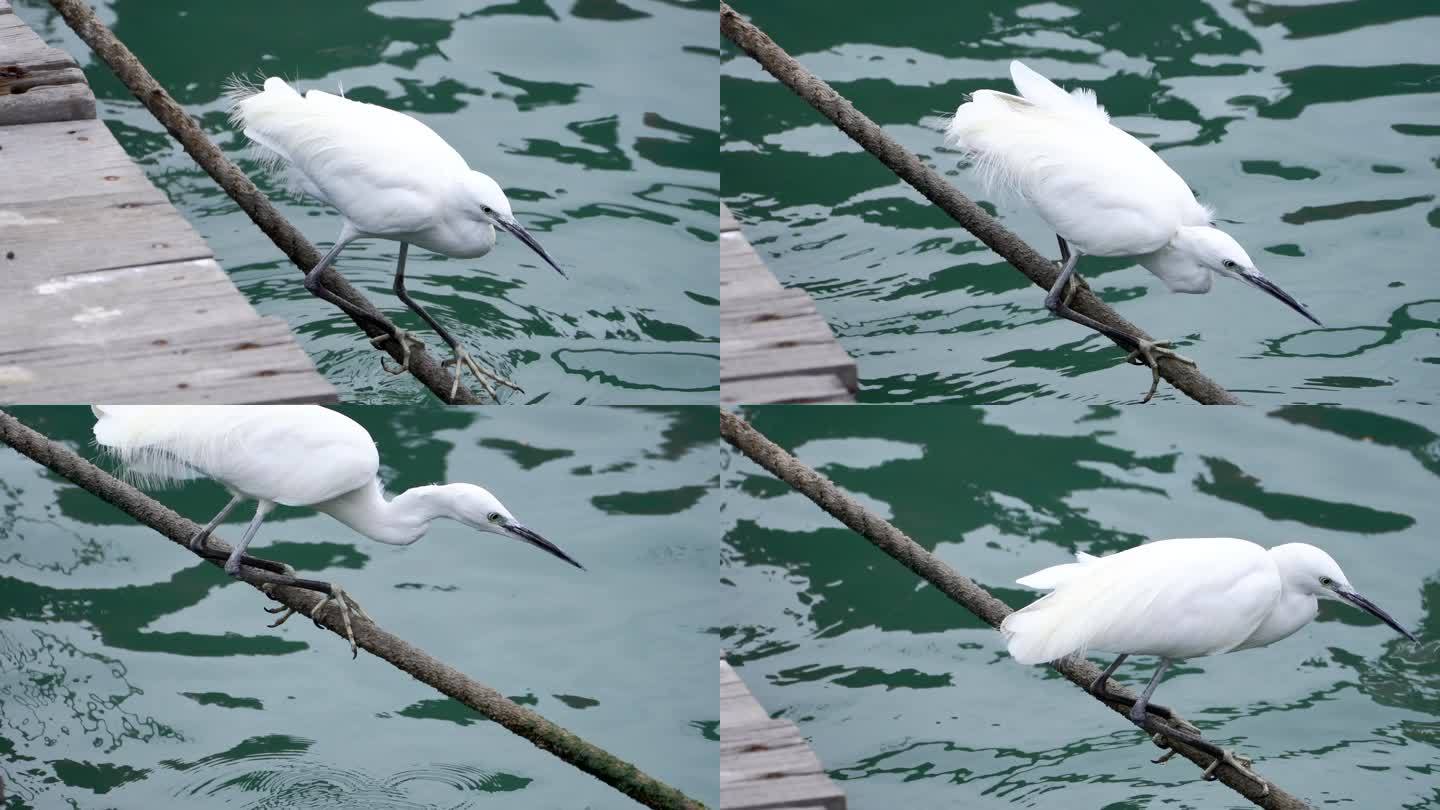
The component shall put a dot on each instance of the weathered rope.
(381, 643)
(129, 70)
(755, 446)
(962, 209)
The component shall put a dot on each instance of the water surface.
(1310, 127)
(910, 701)
(132, 676)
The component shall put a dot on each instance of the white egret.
(1103, 192)
(1177, 599)
(293, 455)
(390, 177)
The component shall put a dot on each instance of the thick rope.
(962, 209)
(128, 69)
(963, 590)
(381, 643)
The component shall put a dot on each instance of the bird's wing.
(1048, 579)
(289, 454)
(1176, 598)
(1107, 193)
(384, 170)
(1080, 103)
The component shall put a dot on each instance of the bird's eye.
(1326, 581)
(487, 209)
(494, 517)
(1229, 264)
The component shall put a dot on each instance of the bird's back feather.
(379, 167)
(1107, 193)
(1164, 598)
(290, 454)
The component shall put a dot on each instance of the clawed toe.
(463, 360)
(406, 339)
(339, 597)
(1145, 354)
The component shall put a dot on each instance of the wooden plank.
(782, 334)
(771, 333)
(77, 203)
(737, 706)
(727, 219)
(766, 763)
(796, 360)
(106, 292)
(153, 300)
(757, 309)
(38, 83)
(257, 363)
(818, 388)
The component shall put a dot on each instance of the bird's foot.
(1075, 285)
(1098, 689)
(197, 541)
(405, 339)
(462, 360)
(343, 600)
(1145, 354)
(1219, 756)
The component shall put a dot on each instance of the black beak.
(524, 533)
(518, 231)
(1370, 607)
(1269, 286)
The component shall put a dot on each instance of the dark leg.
(312, 283)
(253, 562)
(1137, 711)
(1142, 352)
(270, 573)
(1075, 280)
(1165, 732)
(462, 358)
(197, 542)
(232, 563)
(1098, 689)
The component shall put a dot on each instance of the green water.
(598, 117)
(1311, 127)
(133, 677)
(912, 702)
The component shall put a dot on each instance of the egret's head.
(1312, 571)
(1218, 252)
(477, 508)
(490, 205)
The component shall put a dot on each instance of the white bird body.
(294, 455)
(1055, 148)
(325, 453)
(1095, 184)
(1183, 598)
(1101, 190)
(390, 175)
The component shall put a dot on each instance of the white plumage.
(293, 455)
(1175, 599)
(1103, 191)
(1183, 598)
(1107, 193)
(254, 451)
(390, 177)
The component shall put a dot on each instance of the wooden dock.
(774, 346)
(765, 763)
(106, 292)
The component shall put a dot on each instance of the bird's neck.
(399, 521)
(1176, 265)
(1293, 610)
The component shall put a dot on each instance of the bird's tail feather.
(148, 444)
